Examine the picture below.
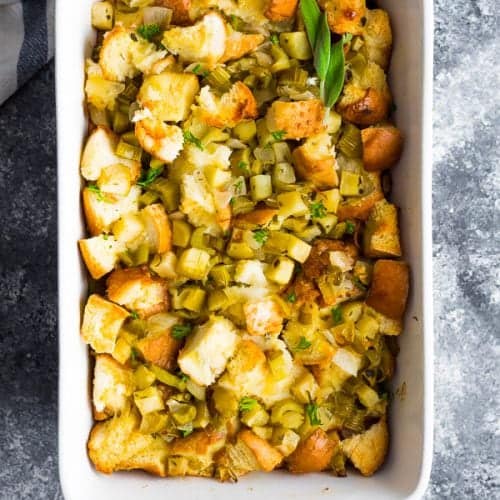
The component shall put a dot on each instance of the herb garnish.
(181, 331)
(148, 177)
(318, 210)
(189, 137)
(291, 297)
(278, 135)
(337, 315)
(349, 227)
(134, 315)
(274, 39)
(303, 344)
(260, 235)
(95, 189)
(312, 413)
(148, 31)
(247, 404)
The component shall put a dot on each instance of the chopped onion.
(157, 15)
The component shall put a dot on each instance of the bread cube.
(100, 254)
(381, 236)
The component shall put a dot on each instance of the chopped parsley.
(95, 189)
(148, 177)
(189, 137)
(260, 235)
(303, 344)
(238, 186)
(134, 315)
(187, 431)
(312, 413)
(360, 284)
(181, 331)
(337, 315)
(350, 227)
(134, 354)
(148, 31)
(278, 135)
(242, 165)
(318, 210)
(183, 377)
(274, 39)
(198, 70)
(291, 297)
(247, 404)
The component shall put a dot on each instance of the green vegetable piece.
(318, 210)
(189, 137)
(311, 16)
(148, 31)
(247, 404)
(148, 177)
(303, 344)
(322, 48)
(260, 235)
(181, 331)
(334, 79)
(337, 315)
(312, 414)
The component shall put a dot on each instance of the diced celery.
(148, 400)
(143, 377)
(102, 16)
(164, 265)
(367, 326)
(141, 255)
(350, 183)
(288, 414)
(245, 131)
(277, 364)
(120, 122)
(192, 298)
(153, 422)
(285, 440)
(292, 205)
(330, 199)
(352, 311)
(281, 270)
(240, 162)
(281, 60)
(297, 249)
(202, 415)
(256, 416)
(283, 176)
(214, 135)
(282, 152)
(182, 413)
(333, 122)
(181, 233)
(167, 378)
(242, 205)
(168, 191)
(122, 350)
(260, 187)
(193, 263)
(367, 396)
(222, 274)
(148, 198)
(305, 388)
(328, 222)
(217, 177)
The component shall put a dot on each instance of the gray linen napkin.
(26, 41)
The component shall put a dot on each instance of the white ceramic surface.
(406, 472)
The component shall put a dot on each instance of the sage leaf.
(322, 48)
(311, 16)
(334, 79)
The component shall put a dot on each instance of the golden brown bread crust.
(371, 108)
(267, 456)
(160, 349)
(257, 217)
(318, 261)
(382, 147)
(313, 454)
(180, 10)
(157, 228)
(346, 16)
(280, 10)
(389, 288)
(238, 44)
(378, 37)
(381, 235)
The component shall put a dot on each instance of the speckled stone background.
(466, 268)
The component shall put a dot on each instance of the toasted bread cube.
(169, 96)
(315, 161)
(255, 218)
(267, 456)
(378, 37)
(233, 107)
(162, 141)
(359, 207)
(101, 211)
(281, 270)
(348, 360)
(381, 236)
(366, 98)
(101, 93)
(368, 450)
(194, 263)
(194, 455)
(346, 16)
(297, 119)
(115, 180)
(138, 291)
(158, 231)
(117, 444)
(129, 229)
(180, 10)
(238, 44)
(313, 454)
(208, 349)
(250, 272)
(99, 152)
(101, 324)
(263, 317)
(100, 254)
(382, 147)
(102, 16)
(204, 42)
(389, 288)
(280, 10)
(113, 385)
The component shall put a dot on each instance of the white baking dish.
(406, 473)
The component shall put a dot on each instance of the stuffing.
(319, 261)
(157, 225)
(298, 119)
(113, 386)
(197, 201)
(266, 455)
(280, 10)
(348, 360)
(208, 349)
(235, 460)
(389, 288)
(366, 98)
(382, 147)
(255, 218)
(387, 326)
(346, 16)
(359, 207)
(238, 44)
(330, 378)
(100, 254)
(115, 180)
(169, 96)
(180, 10)
(212, 155)
(138, 291)
(313, 454)
(99, 152)
(100, 92)
(378, 37)
(101, 323)
(101, 211)
(129, 230)
(263, 317)
(250, 272)
(381, 235)
(194, 455)
(315, 161)
(367, 451)
(124, 54)
(117, 444)
(233, 107)
(223, 211)
(203, 42)
(159, 346)
(162, 141)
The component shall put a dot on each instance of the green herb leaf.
(148, 31)
(183, 377)
(196, 69)
(134, 354)
(148, 177)
(278, 135)
(312, 413)
(359, 284)
(134, 315)
(242, 165)
(181, 331)
(187, 430)
(95, 189)
(291, 297)
(247, 404)
(334, 80)
(337, 315)
(311, 16)
(303, 344)
(274, 39)
(322, 48)
(260, 235)
(350, 227)
(189, 137)
(318, 210)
